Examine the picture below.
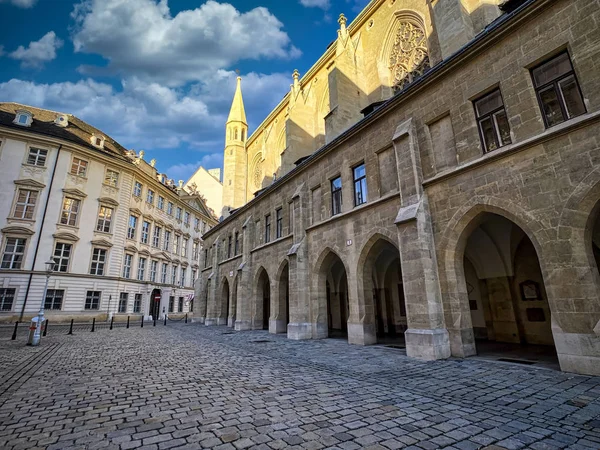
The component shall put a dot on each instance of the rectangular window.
(150, 196)
(178, 213)
(291, 218)
(336, 196)
(195, 247)
(79, 167)
(196, 223)
(111, 178)
(360, 185)
(557, 90)
(70, 211)
(161, 203)
(229, 241)
(145, 232)
(98, 261)
(137, 189)
(153, 270)
(492, 121)
(7, 298)
(156, 236)
(137, 303)
(183, 274)
(174, 275)
(184, 246)
(62, 254)
(14, 250)
(25, 204)
(104, 219)
(167, 242)
(163, 273)
(141, 269)
(170, 208)
(194, 275)
(92, 300)
(180, 304)
(171, 304)
(127, 262)
(176, 244)
(268, 228)
(123, 299)
(37, 157)
(186, 218)
(278, 223)
(54, 299)
(132, 227)
(236, 244)
(205, 258)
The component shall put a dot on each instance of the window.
(23, 119)
(161, 203)
(7, 298)
(54, 299)
(291, 217)
(184, 247)
(153, 270)
(127, 262)
(14, 250)
(141, 268)
(174, 275)
(123, 298)
(25, 204)
(70, 211)
(268, 228)
(183, 274)
(111, 178)
(156, 236)
(195, 248)
(170, 208)
(176, 244)
(145, 232)
(229, 242)
(131, 228)
(196, 223)
(62, 254)
(186, 218)
(37, 157)
(163, 273)
(150, 196)
(178, 213)
(492, 121)
(171, 304)
(137, 303)
(557, 90)
(79, 167)
(336, 196)
(92, 300)
(137, 189)
(104, 219)
(360, 185)
(205, 258)
(236, 243)
(180, 304)
(194, 275)
(278, 223)
(98, 261)
(167, 241)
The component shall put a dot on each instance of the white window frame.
(170, 208)
(163, 273)
(156, 236)
(153, 270)
(127, 265)
(61, 258)
(182, 276)
(98, 262)
(132, 231)
(178, 213)
(101, 222)
(79, 167)
(52, 294)
(173, 274)
(176, 243)
(91, 297)
(137, 189)
(150, 196)
(141, 268)
(39, 154)
(145, 237)
(14, 263)
(70, 212)
(4, 293)
(123, 296)
(184, 245)
(28, 206)
(167, 241)
(111, 178)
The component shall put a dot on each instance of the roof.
(237, 113)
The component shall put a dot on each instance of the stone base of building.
(210, 321)
(578, 353)
(230, 322)
(221, 321)
(462, 343)
(300, 331)
(242, 325)
(277, 326)
(427, 344)
(362, 334)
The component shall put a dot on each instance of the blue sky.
(159, 75)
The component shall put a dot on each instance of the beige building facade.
(434, 178)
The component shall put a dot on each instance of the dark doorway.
(154, 309)
(263, 301)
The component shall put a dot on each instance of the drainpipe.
(37, 245)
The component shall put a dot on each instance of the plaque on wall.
(530, 290)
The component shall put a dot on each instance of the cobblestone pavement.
(190, 386)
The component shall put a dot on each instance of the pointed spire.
(237, 113)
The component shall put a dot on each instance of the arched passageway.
(222, 319)
(333, 295)
(282, 314)
(263, 301)
(507, 298)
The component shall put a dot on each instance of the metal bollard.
(14, 335)
(154, 324)
(185, 317)
(93, 324)
(142, 326)
(112, 319)
(71, 328)
(127, 322)
(45, 328)
(165, 320)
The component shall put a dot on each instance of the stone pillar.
(243, 319)
(453, 25)
(213, 299)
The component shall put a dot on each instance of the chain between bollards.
(93, 324)
(71, 328)
(14, 335)
(45, 327)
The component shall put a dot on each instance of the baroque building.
(434, 178)
(125, 239)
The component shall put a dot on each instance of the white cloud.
(140, 38)
(185, 171)
(20, 3)
(323, 4)
(38, 52)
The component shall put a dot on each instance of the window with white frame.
(186, 218)
(123, 300)
(98, 261)
(150, 196)
(37, 157)
(92, 299)
(132, 227)
(196, 223)
(127, 263)
(161, 202)
(79, 167)
(62, 256)
(7, 298)
(153, 270)
(23, 118)
(54, 299)
(167, 241)
(195, 248)
(184, 247)
(25, 204)
(174, 274)
(137, 303)
(137, 189)
(70, 211)
(145, 232)
(170, 208)
(194, 275)
(105, 215)
(14, 251)
(163, 273)
(183, 273)
(111, 178)
(156, 236)
(176, 244)
(178, 213)
(141, 269)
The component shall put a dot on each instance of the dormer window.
(23, 118)
(61, 120)
(97, 141)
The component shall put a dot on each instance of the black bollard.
(142, 326)
(154, 320)
(14, 335)
(185, 317)
(127, 322)
(71, 328)
(93, 324)
(112, 319)
(165, 320)
(45, 328)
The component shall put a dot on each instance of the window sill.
(233, 258)
(34, 166)
(268, 244)
(110, 186)
(71, 227)
(19, 220)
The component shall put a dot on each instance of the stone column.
(453, 25)
(243, 318)
(212, 302)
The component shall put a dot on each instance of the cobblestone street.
(190, 386)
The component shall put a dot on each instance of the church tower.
(234, 160)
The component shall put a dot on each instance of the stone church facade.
(434, 177)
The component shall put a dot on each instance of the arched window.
(243, 135)
(236, 134)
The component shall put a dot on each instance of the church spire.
(237, 113)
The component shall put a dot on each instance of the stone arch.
(281, 301)
(224, 302)
(262, 299)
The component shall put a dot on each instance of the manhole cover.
(516, 361)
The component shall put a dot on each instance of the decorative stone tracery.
(257, 174)
(409, 58)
